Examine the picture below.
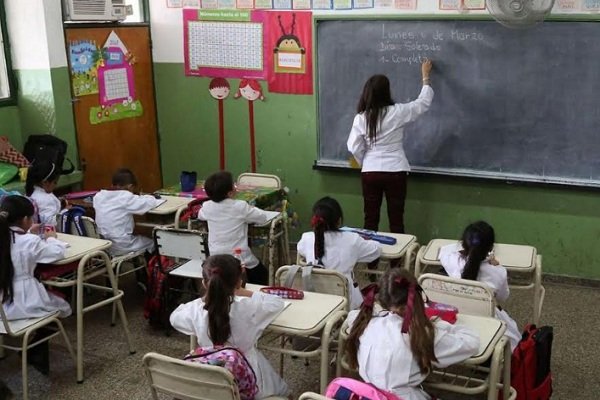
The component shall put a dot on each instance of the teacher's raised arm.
(376, 142)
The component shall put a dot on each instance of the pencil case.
(284, 292)
(441, 310)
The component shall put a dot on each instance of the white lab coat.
(495, 276)
(114, 217)
(249, 316)
(228, 227)
(387, 153)
(30, 297)
(385, 358)
(342, 251)
(48, 205)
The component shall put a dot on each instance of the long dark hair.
(40, 172)
(477, 242)
(222, 273)
(327, 215)
(12, 210)
(398, 291)
(376, 96)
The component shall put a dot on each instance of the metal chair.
(24, 328)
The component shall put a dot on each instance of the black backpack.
(48, 148)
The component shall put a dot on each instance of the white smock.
(495, 276)
(114, 217)
(48, 205)
(30, 297)
(385, 358)
(342, 251)
(249, 316)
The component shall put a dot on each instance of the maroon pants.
(374, 186)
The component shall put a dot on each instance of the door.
(122, 71)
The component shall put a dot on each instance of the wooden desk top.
(511, 256)
(79, 246)
(170, 205)
(307, 315)
(490, 330)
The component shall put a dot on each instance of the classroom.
(516, 148)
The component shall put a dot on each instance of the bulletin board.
(224, 43)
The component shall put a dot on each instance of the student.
(326, 245)
(228, 221)
(231, 315)
(114, 213)
(23, 296)
(473, 259)
(42, 178)
(396, 345)
(376, 142)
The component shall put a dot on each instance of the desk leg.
(409, 255)
(79, 316)
(338, 316)
(506, 373)
(538, 291)
(420, 254)
(496, 367)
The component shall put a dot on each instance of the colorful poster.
(191, 3)
(290, 60)
(590, 5)
(449, 4)
(362, 3)
(567, 5)
(473, 4)
(383, 4)
(406, 4)
(117, 111)
(174, 3)
(210, 4)
(301, 4)
(263, 4)
(84, 58)
(245, 4)
(224, 43)
(342, 4)
(322, 4)
(282, 4)
(228, 4)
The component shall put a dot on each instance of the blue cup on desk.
(188, 180)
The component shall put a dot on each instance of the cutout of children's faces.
(249, 94)
(219, 88)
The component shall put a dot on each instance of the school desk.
(93, 262)
(167, 213)
(492, 346)
(519, 260)
(315, 315)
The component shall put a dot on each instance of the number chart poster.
(224, 43)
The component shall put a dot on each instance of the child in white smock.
(228, 221)
(339, 250)
(22, 295)
(115, 209)
(473, 259)
(42, 178)
(396, 345)
(231, 315)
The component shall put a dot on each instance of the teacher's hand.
(426, 68)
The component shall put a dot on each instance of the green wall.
(562, 222)
(10, 125)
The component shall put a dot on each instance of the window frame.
(12, 84)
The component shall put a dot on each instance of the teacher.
(376, 142)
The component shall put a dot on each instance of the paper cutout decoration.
(289, 54)
(251, 90)
(289, 38)
(84, 58)
(117, 111)
(219, 89)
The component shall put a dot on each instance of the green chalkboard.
(509, 104)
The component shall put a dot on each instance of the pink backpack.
(234, 361)
(351, 389)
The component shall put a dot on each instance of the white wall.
(26, 23)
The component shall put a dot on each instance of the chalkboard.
(509, 104)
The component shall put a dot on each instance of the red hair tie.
(412, 288)
(215, 271)
(369, 293)
(316, 220)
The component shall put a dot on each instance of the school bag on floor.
(233, 360)
(351, 389)
(155, 309)
(530, 368)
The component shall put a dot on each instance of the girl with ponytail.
(333, 249)
(42, 178)
(231, 315)
(473, 259)
(394, 345)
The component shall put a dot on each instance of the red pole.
(252, 143)
(221, 136)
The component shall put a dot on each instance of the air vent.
(94, 10)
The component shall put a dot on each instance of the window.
(138, 11)
(6, 79)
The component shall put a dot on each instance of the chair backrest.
(5, 327)
(181, 243)
(185, 380)
(326, 281)
(264, 180)
(470, 297)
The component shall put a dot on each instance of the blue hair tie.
(475, 241)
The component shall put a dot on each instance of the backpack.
(71, 218)
(351, 389)
(48, 148)
(233, 360)
(530, 372)
(155, 309)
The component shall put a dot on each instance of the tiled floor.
(112, 374)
